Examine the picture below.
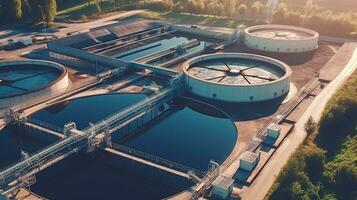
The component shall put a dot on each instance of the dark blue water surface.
(13, 141)
(191, 134)
(87, 110)
(188, 137)
(105, 176)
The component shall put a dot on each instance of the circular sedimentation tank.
(281, 38)
(237, 77)
(98, 177)
(25, 80)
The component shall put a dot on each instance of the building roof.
(223, 182)
(249, 156)
(274, 127)
(103, 34)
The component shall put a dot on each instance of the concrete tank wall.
(238, 93)
(279, 45)
(55, 87)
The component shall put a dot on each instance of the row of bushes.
(321, 20)
(326, 167)
(227, 8)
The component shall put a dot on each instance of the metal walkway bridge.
(16, 175)
(22, 174)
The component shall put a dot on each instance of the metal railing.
(74, 143)
(130, 111)
(156, 159)
(37, 159)
(45, 125)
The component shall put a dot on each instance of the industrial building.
(281, 38)
(137, 45)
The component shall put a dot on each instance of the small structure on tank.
(273, 131)
(249, 160)
(222, 187)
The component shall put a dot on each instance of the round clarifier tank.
(21, 81)
(281, 38)
(88, 110)
(237, 77)
(190, 133)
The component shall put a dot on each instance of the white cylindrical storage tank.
(281, 38)
(24, 81)
(237, 77)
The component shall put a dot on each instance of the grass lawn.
(79, 9)
(186, 18)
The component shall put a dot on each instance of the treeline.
(314, 17)
(228, 8)
(40, 10)
(28, 10)
(325, 166)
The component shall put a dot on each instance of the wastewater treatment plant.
(143, 109)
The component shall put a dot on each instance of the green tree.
(116, 3)
(200, 6)
(242, 9)
(97, 5)
(303, 189)
(295, 18)
(51, 11)
(309, 7)
(346, 177)
(257, 8)
(329, 197)
(17, 8)
(279, 15)
(229, 7)
(315, 162)
(310, 125)
(296, 191)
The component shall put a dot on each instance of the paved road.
(70, 27)
(81, 27)
(18, 52)
(266, 178)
